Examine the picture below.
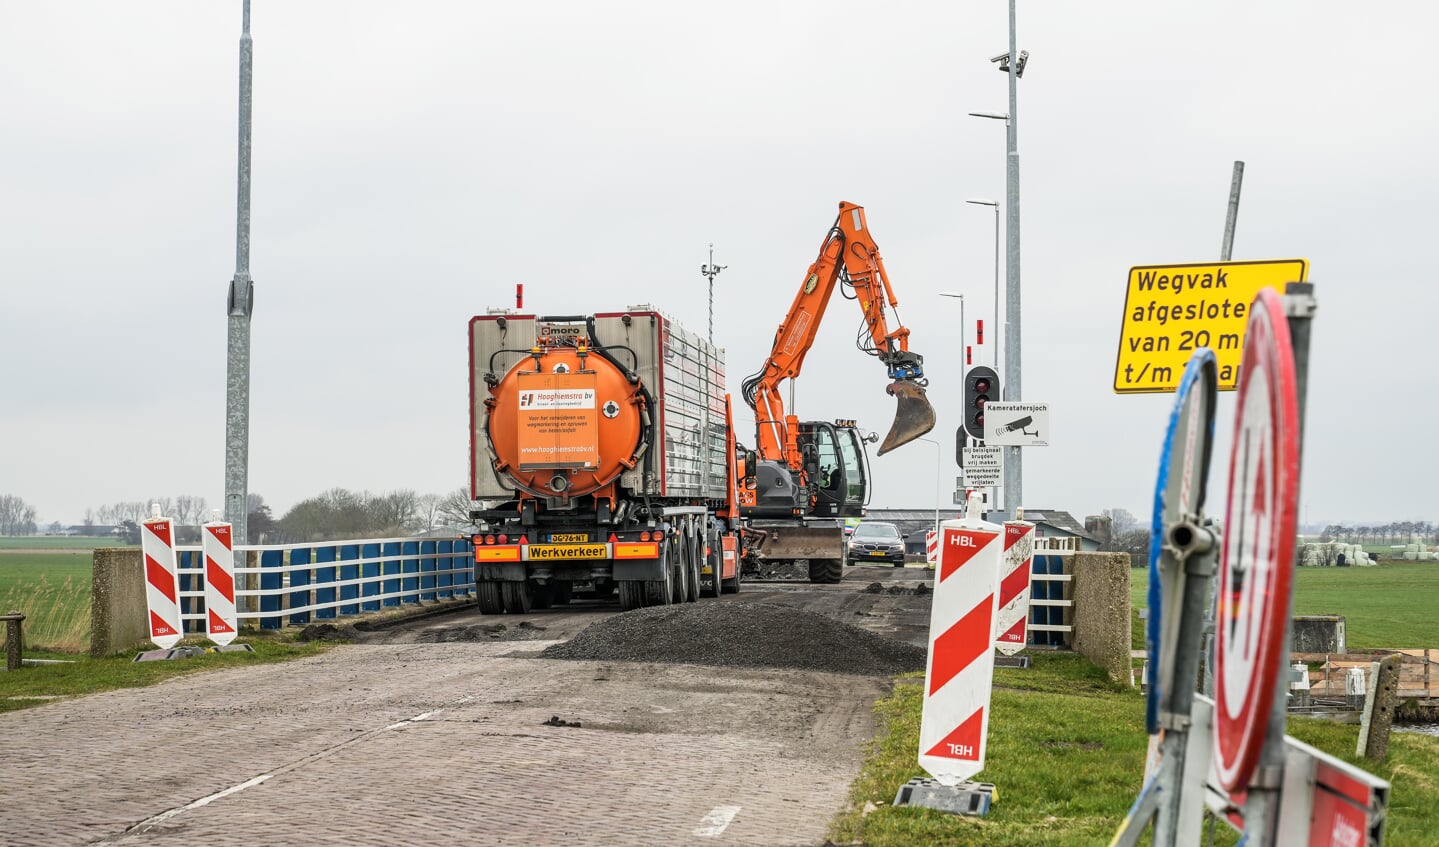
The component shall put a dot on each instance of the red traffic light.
(979, 384)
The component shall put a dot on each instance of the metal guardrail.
(1047, 601)
(295, 583)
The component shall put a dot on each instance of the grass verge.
(36, 685)
(1066, 751)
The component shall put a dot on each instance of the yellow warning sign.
(1172, 310)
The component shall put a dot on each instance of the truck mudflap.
(799, 542)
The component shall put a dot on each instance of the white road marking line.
(416, 719)
(713, 824)
(253, 781)
(195, 804)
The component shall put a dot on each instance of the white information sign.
(1016, 424)
(983, 466)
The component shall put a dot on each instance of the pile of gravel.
(329, 632)
(785, 571)
(918, 589)
(525, 631)
(740, 634)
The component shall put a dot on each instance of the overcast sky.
(414, 161)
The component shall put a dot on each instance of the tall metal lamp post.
(938, 485)
(240, 305)
(962, 357)
(1012, 64)
(995, 329)
(711, 271)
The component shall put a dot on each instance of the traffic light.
(981, 385)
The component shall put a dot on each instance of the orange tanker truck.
(602, 458)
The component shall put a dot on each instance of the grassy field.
(47, 542)
(52, 589)
(1066, 750)
(1391, 605)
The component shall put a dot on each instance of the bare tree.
(190, 509)
(1122, 521)
(166, 504)
(397, 511)
(428, 514)
(455, 508)
(16, 516)
(1135, 542)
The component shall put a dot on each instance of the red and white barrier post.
(220, 618)
(955, 721)
(931, 548)
(1012, 622)
(162, 586)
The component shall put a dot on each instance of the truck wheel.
(715, 560)
(697, 553)
(517, 597)
(825, 571)
(488, 595)
(661, 592)
(680, 585)
(632, 594)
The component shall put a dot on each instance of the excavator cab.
(841, 467)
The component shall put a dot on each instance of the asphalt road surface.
(448, 730)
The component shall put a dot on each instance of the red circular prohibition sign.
(1257, 557)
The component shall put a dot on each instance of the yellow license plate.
(569, 537)
(542, 552)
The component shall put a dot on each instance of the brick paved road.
(411, 744)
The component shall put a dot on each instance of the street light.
(711, 271)
(938, 486)
(960, 297)
(995, 330)
(1013, 456)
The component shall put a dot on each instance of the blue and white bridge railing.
(294, 584)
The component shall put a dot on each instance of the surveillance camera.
(1002, 57)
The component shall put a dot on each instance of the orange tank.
(565, 422)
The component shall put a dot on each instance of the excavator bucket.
(913, 417)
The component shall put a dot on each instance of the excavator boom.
(848, 257)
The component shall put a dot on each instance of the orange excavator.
(806, 477)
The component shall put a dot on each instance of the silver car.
(876, 541)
